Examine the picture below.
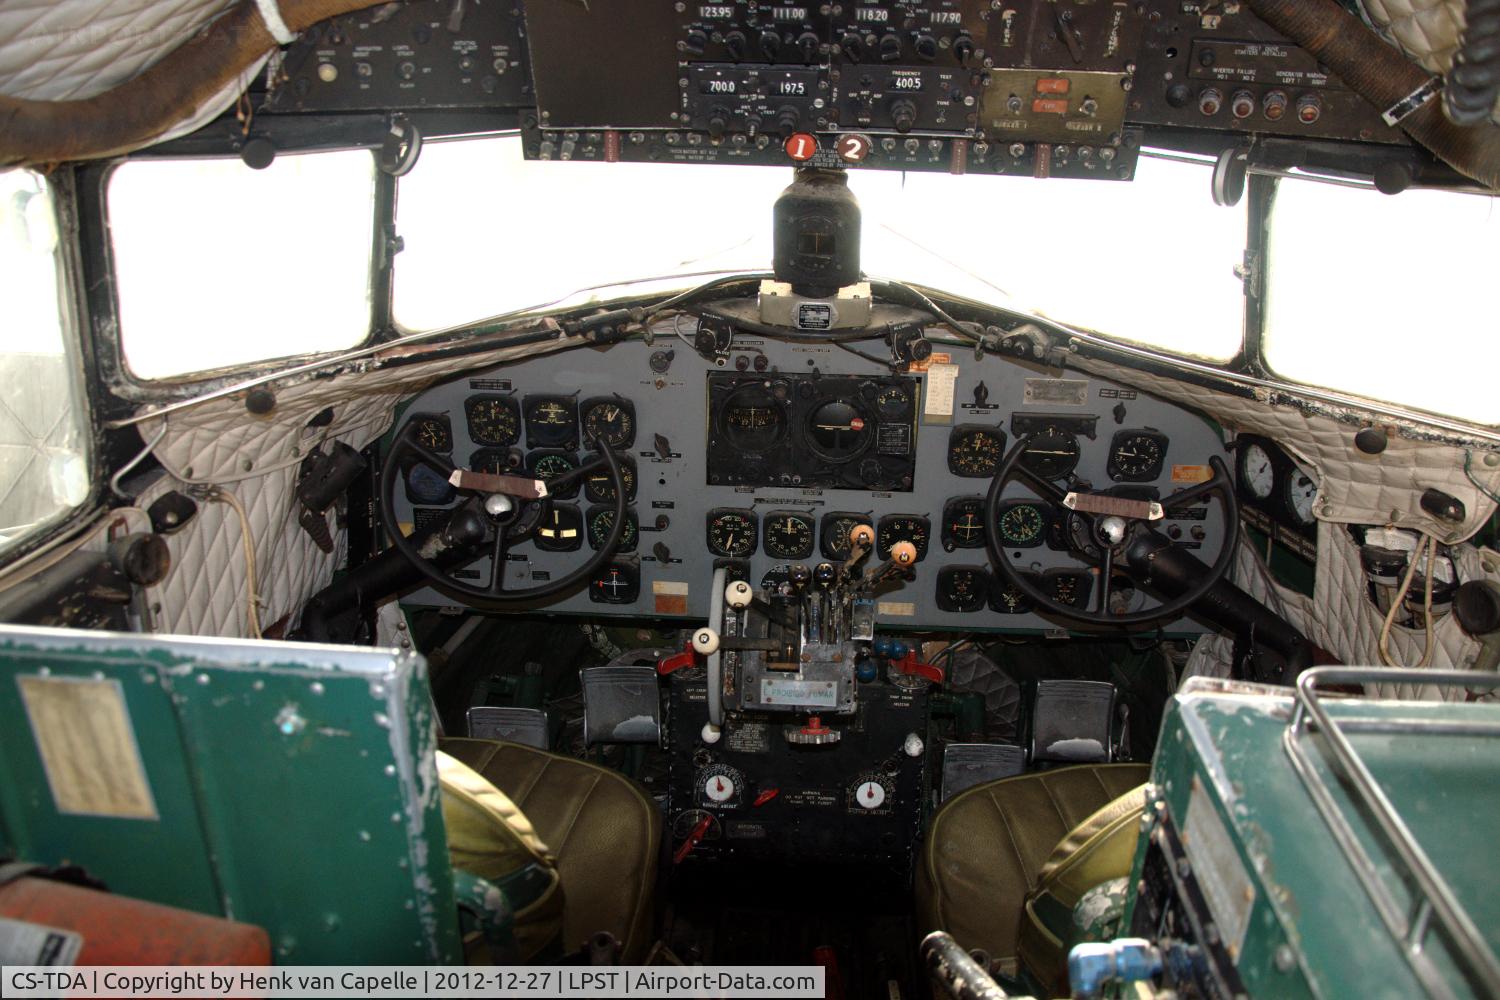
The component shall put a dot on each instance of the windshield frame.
(1245, 369)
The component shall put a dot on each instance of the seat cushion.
(490, 837)
(986, 846)
(1101, 849)
(603, 829)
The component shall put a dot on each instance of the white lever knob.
(706, 641)
(737, 595)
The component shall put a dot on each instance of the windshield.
(1151, 261)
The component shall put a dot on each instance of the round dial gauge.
(838, 431)
(869, 794)
(560, 528)
(731, 533)
(612, 420)
(599, 488)
(493, 461)
(1022, 524)
(1136, 456)
(1052, 454)
(753, 420)
(902, 528)
(601, 520)
(1009, 600)
(975, 452)
(551, 421)
(962, 588)
(548, 465)
(424, 484)
(1301, 493)
(1257, 472)
(893, 401)
(1070, 588)
(720, 785)
(788, 535)
(834, 534)
(434, 434)
(493, 420)
(963, 523)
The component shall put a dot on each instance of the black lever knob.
(853, 46)
(736, 44)
(890, 47)
(807, 44)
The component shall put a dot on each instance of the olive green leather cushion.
(986, 846)
(603, 829)
(1098, 850)
(489, 837)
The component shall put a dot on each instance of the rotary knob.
(926, 46)
(736, 44)
(770, 44)
(807, 45)
(903, 115)
(853, 46)
(890, 47)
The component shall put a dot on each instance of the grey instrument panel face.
(1139, 443)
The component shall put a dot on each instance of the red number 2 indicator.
(852, 147)
(800, 146)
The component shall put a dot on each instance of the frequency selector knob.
(903, 115)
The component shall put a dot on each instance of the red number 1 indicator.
(800, 146)
(852, 147)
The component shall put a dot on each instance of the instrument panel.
(763, 456)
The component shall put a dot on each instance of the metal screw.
(1284, 958)
(289, 721)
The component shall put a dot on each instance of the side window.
(218, 265)
(44, 425)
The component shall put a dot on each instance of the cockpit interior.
(974, 498)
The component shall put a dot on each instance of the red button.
(1050, 106)
(1053, 85)
(801, 146)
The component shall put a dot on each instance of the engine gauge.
(1137, 456)
(493, 420)
(548, 465)
(1300, 494)
(601, 520)
(1257, 471)
(1022, 524)
(833, 533)
(962, 588)
(719, 786)
(560, 528)
(893, 402)
(1052, 453)
(600, 488)
(493, 461)
(434, 433)
(1008, 599)
(1069, 586)
(551, 422)
(426, 485)
(975, 451)
(895, 528)
(963, 523)
(732, 532)
(788, 535)
(612, 419)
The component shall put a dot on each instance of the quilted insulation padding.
(219, 443)
(57, 50)
(1427, 31)
(1353, 488)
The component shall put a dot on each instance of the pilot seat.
(1005, 862)
(574, 845)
